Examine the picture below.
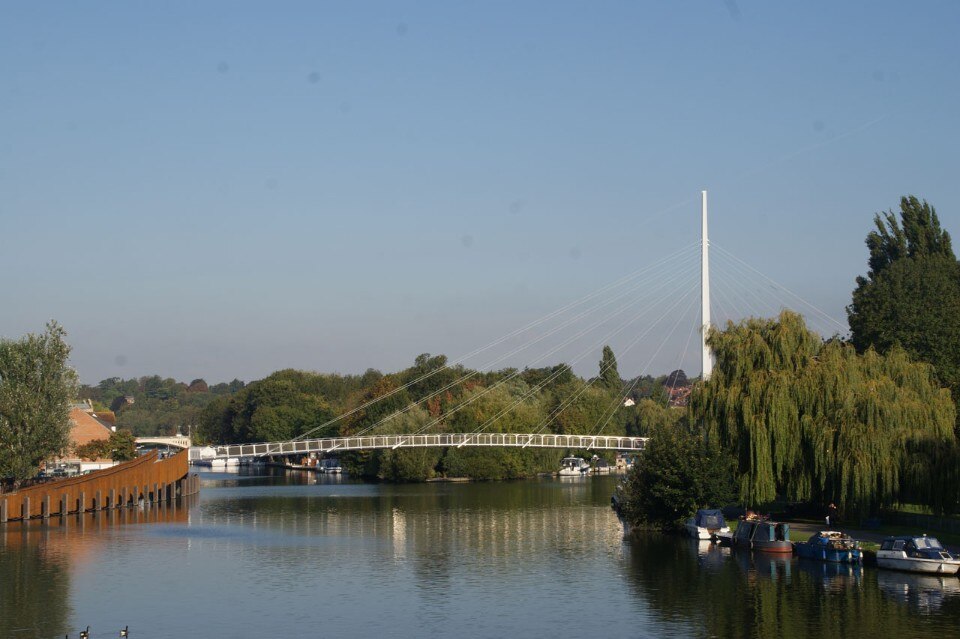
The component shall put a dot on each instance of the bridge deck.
(446, 440)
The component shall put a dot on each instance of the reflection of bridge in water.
(445, 440)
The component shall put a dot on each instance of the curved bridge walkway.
(446, 440)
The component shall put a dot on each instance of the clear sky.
(221, 189)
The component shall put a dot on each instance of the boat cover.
(710, 519)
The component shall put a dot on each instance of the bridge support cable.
(620, 398)
(567, 402)
(665, 284)
(777, 286)
(748, 292)
(627, 278)
(554, 330)
(545, 382)
(742, 301)
(722, 301)
(590, 349)
(683, 357)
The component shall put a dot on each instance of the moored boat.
(917, 554)
(830, 545)
(330, 465)
(573, 467)
(761, 534)
(706, 524)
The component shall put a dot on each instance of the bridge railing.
(443, 440)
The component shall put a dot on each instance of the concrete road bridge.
(175, 441)
(444, 440)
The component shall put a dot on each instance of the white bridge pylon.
(444, 440)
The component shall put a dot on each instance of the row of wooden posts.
(145, 480)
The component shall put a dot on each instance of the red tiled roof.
(85, 429)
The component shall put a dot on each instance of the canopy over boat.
(710, 519)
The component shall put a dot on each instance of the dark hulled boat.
(762, 534)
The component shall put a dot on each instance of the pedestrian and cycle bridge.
(440, 440)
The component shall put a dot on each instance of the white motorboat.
(573, 467)
(707, 524)
(917, 554)
(330, 465)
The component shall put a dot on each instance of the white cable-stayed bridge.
(639, 305)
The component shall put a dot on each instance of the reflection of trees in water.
(37, 558)
(753, 594)
(34, 587)
(435, 529)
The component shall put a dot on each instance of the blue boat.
(830, 545)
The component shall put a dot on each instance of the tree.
(650, 416)
(911, 294)
(609, 375)
(120, 446)
(813, 420)
(36, 387)
(676, 379)
(676, 474)
(408, 464)
(123, 446)
(198, 386)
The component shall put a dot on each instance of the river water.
(280, 554)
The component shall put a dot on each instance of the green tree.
(609, 375)
(810, 420)
(580, 408)
(651, 415)
(911, 294)
(408, 464)
(36, 387)
(676, 474)
(123, 446)
(120, 446)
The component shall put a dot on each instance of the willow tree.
(813, 420)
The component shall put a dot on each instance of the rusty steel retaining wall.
(122, 485)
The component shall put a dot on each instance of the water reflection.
(267, 553)
(39, 562)
(832, 577)
(922, 593)
(724, 593)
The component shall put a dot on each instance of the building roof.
(84, 428)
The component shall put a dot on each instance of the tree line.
(429, 396)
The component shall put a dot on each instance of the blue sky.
(222, 189)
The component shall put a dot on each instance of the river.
(287, 554)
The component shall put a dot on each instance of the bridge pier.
(45, 507)
(25, 508)
(3, 511)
